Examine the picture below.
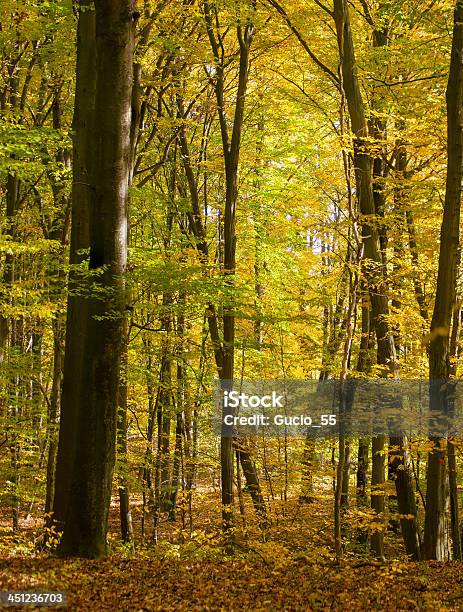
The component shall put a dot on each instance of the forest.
(205, 201)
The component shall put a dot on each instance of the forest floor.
(292, 568)
(153, 584)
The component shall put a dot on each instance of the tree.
(231, 151)
(83, 122)
(98, 354)
(439, 346)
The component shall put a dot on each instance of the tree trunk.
(341, 492)
(231, 145)
(371, 237)
(54, 413)
(183, 422)
(86, 520)
(439, 354)
(252, 480)
(451, 447)
(454, 510)
(83, 121)
(58, 230)
(122, 461)
(175, 480)
(364, 365)
(362, 471)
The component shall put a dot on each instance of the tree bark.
(125, 513)
(451, 446)
(86, 520)
(439, 353)
(373, 259)
(231, 145)
(83, 122)
(57, 230)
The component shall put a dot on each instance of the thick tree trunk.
(83, 122)
(439, 361)
(86, 520)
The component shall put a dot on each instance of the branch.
(303, 42)
(145, 327)
(325, 8)
(219, 82)
(366, 13)
(415, 80)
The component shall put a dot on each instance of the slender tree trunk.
(223, 350)
(182, 423)
(332, 339)
(439, 353)
(10, 335)
(401, 198)
(454, 510)
(152, 411)
(399, 469)
(451, 447)
(371, 237)
(346, 475)
(258, 223)
(59, 230)
(364, 365)
(362, 470)
(53, 413)
(165, 403)
(343, 467)
(337, 500)
(122, 459)
(231, 145)
(175, 480)
(252, 480)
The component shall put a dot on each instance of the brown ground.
(292, 568)
(153, 584)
